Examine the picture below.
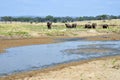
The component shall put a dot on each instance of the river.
(26, 58)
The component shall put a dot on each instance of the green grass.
(20, 33)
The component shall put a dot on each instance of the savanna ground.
(19, 34)
(27, 30)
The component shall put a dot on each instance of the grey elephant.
(74, 25)
(68, 25)
(88, 26)
(49, 24)
(105, 26)
(94, 25)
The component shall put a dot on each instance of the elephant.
(49, 25)
(74, 25)
(94, 25)
(105, 26)
(88, 26)
(68, 25)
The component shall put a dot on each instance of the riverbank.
(13, 42)
(106, 69)
(7, 43)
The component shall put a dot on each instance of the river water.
(26, 58)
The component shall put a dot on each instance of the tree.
(80, 19)
(6, 18)
(49, 18)
(57, 19)
(102, 17)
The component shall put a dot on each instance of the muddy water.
(34, 57)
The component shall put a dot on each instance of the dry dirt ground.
(108, 69)
(97, 69)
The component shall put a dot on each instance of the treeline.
(57, 19)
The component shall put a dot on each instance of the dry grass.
(23, 29)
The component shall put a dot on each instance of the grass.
(114, 61)
(111, 29)
(58, 29)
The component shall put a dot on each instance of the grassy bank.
(26, 30)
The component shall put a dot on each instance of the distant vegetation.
(56, 19)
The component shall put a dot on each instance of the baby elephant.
(49, 25)
(105, 26)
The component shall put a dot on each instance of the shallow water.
(34, 57)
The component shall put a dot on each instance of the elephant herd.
(71, 26)
(94, 26)
(91, 26)
(74, 25)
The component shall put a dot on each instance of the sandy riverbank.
(97, 69)
(7, 43)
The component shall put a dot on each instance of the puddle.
(35, 57)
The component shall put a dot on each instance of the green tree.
(49, 18)
(6, 18)
(102, 17)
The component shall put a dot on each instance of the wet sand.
(7, 43)
(96, 69)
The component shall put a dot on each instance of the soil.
(7, 43)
